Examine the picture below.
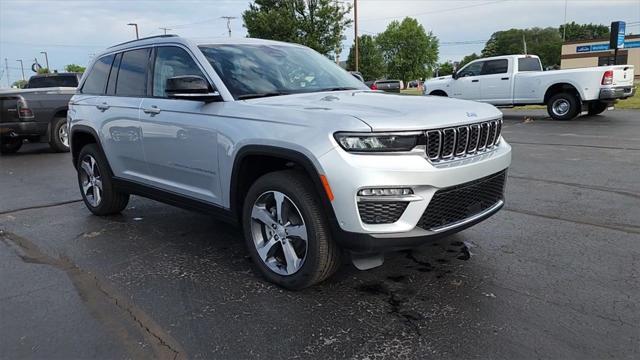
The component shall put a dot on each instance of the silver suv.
(276, 138)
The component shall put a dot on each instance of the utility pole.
(165, 30)
(46, 59)
(6, 65)
(136, 26)
(229, 18)
(21, 68)
(564, 28)
(355, 26)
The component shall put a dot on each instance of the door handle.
(102, 107)
(153, 110)
(505, 78)
(475, 80)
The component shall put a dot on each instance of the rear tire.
(10, 145)
(59, 141)
(563, 106)
(597, 107)
(96, 183)
(316, 259)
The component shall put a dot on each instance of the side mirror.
(357, 75)
(454, 76)
(191, 87)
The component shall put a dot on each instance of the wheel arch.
(559, 88)
(80, 136)
(439, 92)
(268, 159)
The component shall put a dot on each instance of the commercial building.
(586, 53)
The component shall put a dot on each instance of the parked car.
(37, 113)
(390, 85)
(276, 138)
(371, 84)
(517, 80)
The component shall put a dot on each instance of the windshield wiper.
(339, 88)
(260, 95)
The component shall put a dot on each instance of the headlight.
(387, 142)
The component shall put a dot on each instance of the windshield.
(250, 70)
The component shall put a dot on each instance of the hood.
(385, 111)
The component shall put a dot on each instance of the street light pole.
(46, 59)
(6, 72)
(136, 26)
(21, 68)
(355, 26)
(229, 18)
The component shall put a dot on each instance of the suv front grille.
(381, 212)
(457, 142)
(456, 203)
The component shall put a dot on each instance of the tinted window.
(132, 75)
(529, 64)
(54, 81)
(472, 69)
(96, 81)
(113, 75)
(495, 67)
(171, 61)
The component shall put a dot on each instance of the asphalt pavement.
(553, 275)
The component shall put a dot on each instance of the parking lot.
(556, 274)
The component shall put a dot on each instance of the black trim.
(365, 243)
(175, 199)
(286, 154)
(86, 130)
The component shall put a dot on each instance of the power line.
(436, 11)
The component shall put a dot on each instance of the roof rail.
(144, 38)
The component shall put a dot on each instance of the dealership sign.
(605, 47)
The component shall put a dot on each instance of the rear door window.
(495, 67)
(529, 64)
(132, 74)
(96, 81)
(113, 75)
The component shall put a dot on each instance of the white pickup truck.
(516, 80)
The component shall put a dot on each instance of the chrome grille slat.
(451, 143)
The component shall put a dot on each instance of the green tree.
(584, 31)
(75, 68)
(371, 62)
(409, 51)
(318, 24)
(544, 42)
(446, 68)
(467, 59)
(44, 70)
(20, 84)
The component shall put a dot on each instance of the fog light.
(385, 192)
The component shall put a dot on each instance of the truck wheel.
(10, 145)
(59, 135)
(597, 107)
(563, 106)
(287, 232)
(96, 184)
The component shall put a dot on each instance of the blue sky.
(71, 30)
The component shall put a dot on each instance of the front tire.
(563, 106)
(597, 107)
(287, 232)
(10, 145)
(59, 141)
(96, 183)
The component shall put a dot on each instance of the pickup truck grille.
(457, 203)
(458, 142)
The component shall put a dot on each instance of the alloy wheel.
(279, 233)
(91, 180)
(63, 135)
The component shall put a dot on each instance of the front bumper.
(348, 173)
(617, 92)
(23, 128)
